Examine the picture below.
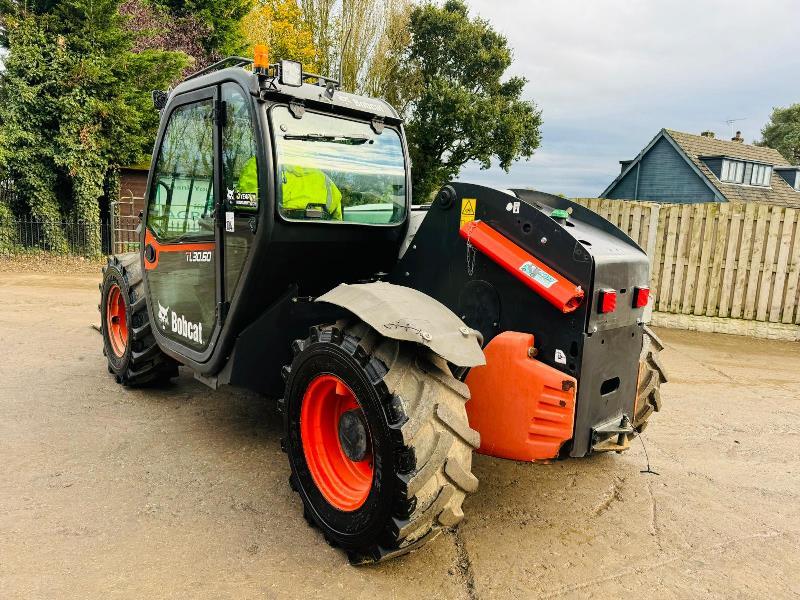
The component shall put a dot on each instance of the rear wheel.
(378, 440)
(133, 356)
(651, 376)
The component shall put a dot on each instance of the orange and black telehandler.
(280, 252)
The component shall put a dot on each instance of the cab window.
(335, 169)
(240, 180)
(182, 196)
(239, 170)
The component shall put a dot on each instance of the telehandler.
(280, 252)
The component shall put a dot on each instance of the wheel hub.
(353, 435)
(116, 321)
(336, 442)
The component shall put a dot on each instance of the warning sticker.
(468, 206)
(535, 273)
(560, 357)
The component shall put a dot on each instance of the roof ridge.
(737, 150)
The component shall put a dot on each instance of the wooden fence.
(724, 260)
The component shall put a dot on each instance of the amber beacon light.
(261, 57)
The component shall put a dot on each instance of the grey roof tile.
(779, 192)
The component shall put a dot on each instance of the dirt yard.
(182, 493)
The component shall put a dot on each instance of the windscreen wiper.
(352, 140)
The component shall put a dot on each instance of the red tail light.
(640, 296)
(608, 301)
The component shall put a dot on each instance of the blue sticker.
(539, 276)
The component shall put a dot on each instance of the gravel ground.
(50, 263)
(107, 492)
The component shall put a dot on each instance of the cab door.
(183, 232)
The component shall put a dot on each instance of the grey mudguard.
(403, 313)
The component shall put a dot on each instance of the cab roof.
(269, 88)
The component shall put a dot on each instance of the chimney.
(738, 138)
(708, 134)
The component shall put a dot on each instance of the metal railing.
(69, 238)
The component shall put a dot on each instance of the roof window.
(732, 171)
(745, 173)
(761, 175)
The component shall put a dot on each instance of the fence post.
(715, 276)
(652, 232)
(792, 277)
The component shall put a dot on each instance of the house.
(685, 168)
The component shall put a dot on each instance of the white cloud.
(609, 74)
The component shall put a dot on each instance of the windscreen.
(334, 169)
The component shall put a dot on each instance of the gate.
(124, 221)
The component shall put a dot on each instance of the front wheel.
(378, 440)
(133, 356)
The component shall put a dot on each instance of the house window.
(761, 175)
(732, 171)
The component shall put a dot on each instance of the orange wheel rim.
(116, 320)
(345, 483)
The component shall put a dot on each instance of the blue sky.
(608, 74)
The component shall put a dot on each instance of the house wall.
(715, 166)
(626, 187)
(664, 177)
(789, 176)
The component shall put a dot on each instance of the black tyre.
(390, 414)
(651, 376)
(133, 356)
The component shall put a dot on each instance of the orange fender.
(523, 408)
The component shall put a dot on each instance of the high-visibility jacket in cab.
(301, 186)
(248, 179)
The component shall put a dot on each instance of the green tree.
(279, 25)
(320, 18)
(222, 16)
(353, 38)
(458, 107)
(6, 216)
(154, 27)
(74, 106)
(782, 132)
(384, 76)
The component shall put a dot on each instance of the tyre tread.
(147, 364)
(651, 376)
(424, 406)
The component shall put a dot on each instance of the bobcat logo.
(162, 315)
(170, 321)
